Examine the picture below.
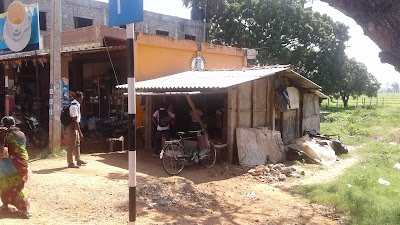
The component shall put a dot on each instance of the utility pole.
(130, 35)
(55, 77)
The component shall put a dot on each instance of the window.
(82, 22)
(42, 21)
(190, 37)
(163, 33)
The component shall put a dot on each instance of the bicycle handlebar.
(181, 133)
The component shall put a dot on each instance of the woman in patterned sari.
(14, 169)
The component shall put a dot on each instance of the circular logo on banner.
(197, 63)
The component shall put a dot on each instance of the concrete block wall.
(98, 11)
(90, 9)
(175, 26)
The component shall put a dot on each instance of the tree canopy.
(357, 81)
(285, 32)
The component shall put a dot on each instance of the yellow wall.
(157, 56)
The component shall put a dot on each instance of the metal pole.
(38, 92)
(6, 96)
(130, 29)
(55, 77)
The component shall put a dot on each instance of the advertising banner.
(19, 28)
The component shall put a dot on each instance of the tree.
(357, 81)
(213, 6)
(284, 32)
(395, 87)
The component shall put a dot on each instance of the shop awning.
(217, 79)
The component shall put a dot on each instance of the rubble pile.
(273, 172)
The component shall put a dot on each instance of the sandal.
(24, 214)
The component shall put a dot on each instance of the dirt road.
(98, 194)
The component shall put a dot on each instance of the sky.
(359, 46)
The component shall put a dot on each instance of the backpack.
(65, 116)
(163, 118)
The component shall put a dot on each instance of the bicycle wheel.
(172, 165)
(208, 161)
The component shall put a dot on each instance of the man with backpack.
(161, 118)
(74, 132)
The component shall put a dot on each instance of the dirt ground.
(225, 194)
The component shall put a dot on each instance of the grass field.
(375, 131)
(380, 100)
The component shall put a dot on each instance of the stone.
(260, 168)
(258, 145)
(282, 177)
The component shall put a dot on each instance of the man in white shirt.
(161, 118)
(74, 132)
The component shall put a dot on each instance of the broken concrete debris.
(274, 172)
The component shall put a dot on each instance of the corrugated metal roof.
(321, 95)
(217, 79)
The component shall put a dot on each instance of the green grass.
(357, 191)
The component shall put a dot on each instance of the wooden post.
(148, 122)
(196, 113)
(270, 102)
(253, 104)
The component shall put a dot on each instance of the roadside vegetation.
(370, 190)
(47, 154)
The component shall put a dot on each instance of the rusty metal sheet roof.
(218, 79)
(321, 95)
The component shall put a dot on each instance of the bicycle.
(175, 155)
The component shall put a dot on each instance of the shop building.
(94, 61)
(82, 13)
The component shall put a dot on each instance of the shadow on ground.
(151, 166)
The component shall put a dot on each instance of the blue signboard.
(19, 28)
(122, 12)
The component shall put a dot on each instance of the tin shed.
(274, 97)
